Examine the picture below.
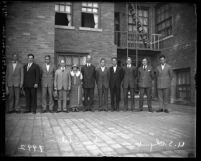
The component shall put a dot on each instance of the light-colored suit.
(14, 79)
(47, 85)
(62, 82)
(164, 78)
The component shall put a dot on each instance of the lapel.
(30, 66)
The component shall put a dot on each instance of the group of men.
(107, 78)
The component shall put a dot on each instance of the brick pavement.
(97, 134)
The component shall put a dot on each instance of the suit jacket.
(115, 77)
(129, 77)
(62, 79)
(164, 76)
(31, 76)
(47, 76)
(145, 77)
(14, 78)
(102, 78)
(89, 76)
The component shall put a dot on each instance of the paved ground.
(120, 134)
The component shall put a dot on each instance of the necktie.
(28, 66)
(144, 68)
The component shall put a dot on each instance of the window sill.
(65, 27)
(90, 29)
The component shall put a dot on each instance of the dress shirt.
(102, 68)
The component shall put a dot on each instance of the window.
(80, 60)
(90, 16)
(164, 20)
(63, 14)
(142, 22)
(183, 84)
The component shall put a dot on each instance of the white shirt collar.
(114, 66)
(77, 73)
(128, 65)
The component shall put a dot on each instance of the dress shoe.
(159, 110)
(166, 111)
(58, 111)
(34, 112)
(9, 112)
(141, 109)
(43, 111)
(17, 111)
(27, 111)
(150, 110)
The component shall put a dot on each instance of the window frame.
(71, 13)
(143, 9)
(186, 86)
(163, 9)
(98, 15)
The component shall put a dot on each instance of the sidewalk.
(96, 134)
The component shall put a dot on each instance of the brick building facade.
(100, 29)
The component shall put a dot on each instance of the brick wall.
(98, 43)
(30, 29)
(181, 49)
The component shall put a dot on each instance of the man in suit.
(102, 81)
(89, 76)
(31, 81)
(14, 81)
(145, 77)
(164, 77)
(129, 83)
(62, 83)
(116, 76)
(48, 71)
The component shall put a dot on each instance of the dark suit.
(31, 77)
(164, 78)
(102, 80)
(115, 85)
(47, 86)
(14, 79)
(129, 82)
(89, 76)
(145, 77)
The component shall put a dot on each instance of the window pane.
(89, 4)
(83, 60)
(76, 60)
(141, 20)
(84, 9)
(145, 13)
(130, 20)
(68, 60)
(89, 9)
(140, 12)
(129, 27)
(145, 21)
(56, 7)
(145, 29)
(84, 4)
(95, 5)
(95, 10)
(68, 9)
(62, 8)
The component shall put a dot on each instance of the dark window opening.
(61, 19)
(88, 20)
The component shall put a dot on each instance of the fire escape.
(139, 40)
